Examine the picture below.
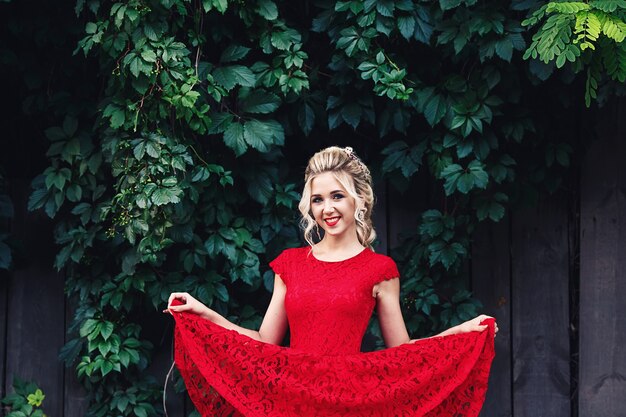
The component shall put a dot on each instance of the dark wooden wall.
(554, 276)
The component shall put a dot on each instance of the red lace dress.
(324, 373)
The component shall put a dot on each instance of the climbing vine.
(178, 129)
(587, 35)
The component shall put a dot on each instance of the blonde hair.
(355, 178)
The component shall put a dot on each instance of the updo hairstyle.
(355, 178)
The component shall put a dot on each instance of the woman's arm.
(387, 294)
(273, 327)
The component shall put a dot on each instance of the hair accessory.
(350, 152)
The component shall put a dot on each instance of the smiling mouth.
(331, 221)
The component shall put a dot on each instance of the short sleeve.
(280, 265)
(387, 269)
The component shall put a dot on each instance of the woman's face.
(332, 207)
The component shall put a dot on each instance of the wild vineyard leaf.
(259, 102)
(230, 76)
(36, 399)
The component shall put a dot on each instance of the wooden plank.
(35, 326)
(161, 334)
(4, 280)
(404, 210)
(379, 217)
(75, 402)
(602, 366)
(491, 284)
(540, 310)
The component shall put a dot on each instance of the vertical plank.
(379, 217)
(491, 283)
(404, 212)
(540, 310)
(75, 397)
(4, 280)
(602, 367)
(35, 329)
(160, 330)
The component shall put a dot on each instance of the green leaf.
(106, 330)
(504, 49)
(258, 135)
(87, 327)
(268, 9)
(449, 4)
(608, 6)
(140, 411)
(234, 53)
(400, 156)
(234, 138)
(442, 253)
(118, 117)
(424, 27)
(349, 41)
(261, 188)
(433, 105)
(451, 174)
(306, 118)
(233, 75)
(260, 102)
(148, 55)
(219, 5)
(283, 40)
(106, 367)
(36, 399)
(406, 25)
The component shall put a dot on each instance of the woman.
(326, 292)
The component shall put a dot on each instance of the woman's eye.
(338, 196)
(316, 200)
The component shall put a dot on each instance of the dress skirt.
(230, 374)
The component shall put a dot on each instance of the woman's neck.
(345, 243)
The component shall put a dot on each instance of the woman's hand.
(474, 325)
(189, 305)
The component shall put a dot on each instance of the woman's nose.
(328, 206)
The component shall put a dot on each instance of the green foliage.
(25, 401)
(178, 130)
(585, 34)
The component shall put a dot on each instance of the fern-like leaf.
(587, 29)
(570, 7)
(591, 85)
(553, 37)
(536, 16)
(614, 59)
(614, 28)
(608, 6)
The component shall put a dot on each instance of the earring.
(360, 215)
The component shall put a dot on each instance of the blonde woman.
(325, 293)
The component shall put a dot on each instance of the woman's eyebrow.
(332, 192)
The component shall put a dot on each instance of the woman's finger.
(173, 296)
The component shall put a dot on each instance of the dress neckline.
(339, 261)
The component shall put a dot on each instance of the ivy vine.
(177, 131)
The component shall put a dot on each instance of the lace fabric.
(323, 373)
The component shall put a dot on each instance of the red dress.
(323, 373)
